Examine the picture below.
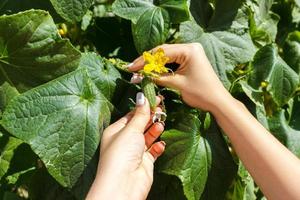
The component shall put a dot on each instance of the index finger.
(176, 52)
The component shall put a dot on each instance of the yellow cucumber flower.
(155, 62)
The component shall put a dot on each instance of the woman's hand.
(256, 147)
(195, 78)
(127, 154)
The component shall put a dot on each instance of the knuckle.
(142, 113)
(196, 46)
(163, 46)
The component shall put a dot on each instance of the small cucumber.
(148, 88)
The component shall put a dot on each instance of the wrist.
(110, 187)
(110, 183)
(222, 104)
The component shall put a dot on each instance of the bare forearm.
(274, 168)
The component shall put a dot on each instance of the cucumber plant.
(63, 80)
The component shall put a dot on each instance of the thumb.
(141, 115)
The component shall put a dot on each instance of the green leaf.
(269, 67)
(85, 181)
(86, 20)
(291, 51)
(196, 153)
(31, 50)
(257, 97)
(61, 121)
(9, 7)
(7, 93)
(282, 131)
(186, 155)
(223, 33)
(7, 147)
(71, 10)
(224, 49)
(101, 72)
(229, 15)
(222, 168)
(128, 92)
(296, 13)
(131, 9)
(178, 10)
(151, 29)
(263, 22)
(150, 23)
(201, 11)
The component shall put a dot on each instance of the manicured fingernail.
(136, 78)
(140, 99)
(163, 143)
(130, 65)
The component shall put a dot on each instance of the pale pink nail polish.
(140, 99)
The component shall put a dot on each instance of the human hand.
(127, 154)
(195, 78)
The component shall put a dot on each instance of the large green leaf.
(131, 9)
(263, 22)
(269, 67)
(222, 168)
(202, 12)
(85, 181)
(281, 130)
(196, 153)
(150, 23)
(291, 53)
(31, 50)
(15, 6)
(225, 38)
(134, 9)
(186, 156)
(62, 121)
(224, 49)
(151, 29)
(287, 11)
(177, 9)
(103, 73)
(229, 15)
(71, 10)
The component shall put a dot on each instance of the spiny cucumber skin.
(148, 88)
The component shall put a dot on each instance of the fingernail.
(163, 143)
(130, 65)
(161, 97)
(140, 99)
(136, 78)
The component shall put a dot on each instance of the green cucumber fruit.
(148, 88)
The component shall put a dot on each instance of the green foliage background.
(59, 90)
